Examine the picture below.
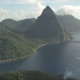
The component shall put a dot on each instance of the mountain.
(13, 44)
(47, 26)
(25, 24)
(21, 25)
(9, 23)
(18, 39)
(70, 22)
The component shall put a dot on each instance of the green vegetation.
(47, 26)
(25, 24)
(19, 38)
(11, 48)
(21, 26)
(69, 22)
(30, 75)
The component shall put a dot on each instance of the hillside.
(47, 26)
(18, 42)
(14, 45)
(25, 24)
(20, 26)
(30, 75)
(69, 22)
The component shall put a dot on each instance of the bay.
(54, 59)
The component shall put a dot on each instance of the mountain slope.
(47, 26)
(15, 44)
(9, 23)
(21, 25)
(25, 24)
(70, 22)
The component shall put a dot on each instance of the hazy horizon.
(23, 9)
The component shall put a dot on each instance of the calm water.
(54, 59)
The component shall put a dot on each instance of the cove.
(54, 59)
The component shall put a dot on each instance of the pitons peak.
(47, 26)
(48, 11)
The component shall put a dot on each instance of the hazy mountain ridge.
(21, 25)
(69, 22)
(25, 24)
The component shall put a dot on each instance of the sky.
(23, 9)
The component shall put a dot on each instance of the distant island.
(19, 39)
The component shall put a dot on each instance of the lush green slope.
(70, 22)
(15, 44)
(25, 24)
(47, 26)
(30, 75)
(21, 25)
(11, 48)
(9, 23)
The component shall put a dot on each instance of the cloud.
(59, 1)
(19, 1)
(36, 11)
(7, 14)
(69, 9)
(31, 1)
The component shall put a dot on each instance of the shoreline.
(2, 61)
(40, 46)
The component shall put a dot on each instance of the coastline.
(2, 61)
(40, 46)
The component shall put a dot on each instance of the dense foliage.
(21, 25)
(19, 39)
(30, 75)
(15, 45)
(11, 48)
(70, 22)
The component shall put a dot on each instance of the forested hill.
(19, 38)
(31, 75)
(21, 25)
(69, 22)
(47, 26)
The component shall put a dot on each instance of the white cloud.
(37, 10)
(26, 1)
(31, 1)
(59, 1)
(69, 9)
(7, 14)
(19, 1)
